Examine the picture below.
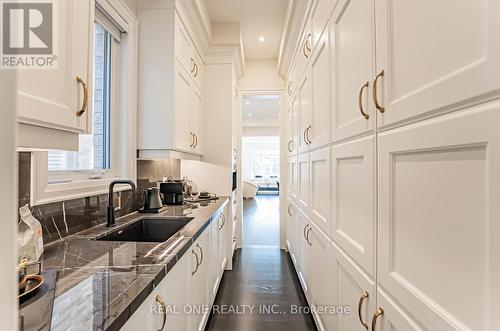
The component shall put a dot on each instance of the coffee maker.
(173, 192)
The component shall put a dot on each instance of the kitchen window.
(109, 151)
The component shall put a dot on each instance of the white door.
(438, 247)
(354, 289)
(320, 201)
(303, 186)
(52, 97)
(436, 57)
(291, 177)
(304, 111)
(319, 133)
(184, 140)
(391, 316)
(353, 203)
(305, 252)
(321, 276)
(353, 62)
(195, 119)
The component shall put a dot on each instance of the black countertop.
(100, 284)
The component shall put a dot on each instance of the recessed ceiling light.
(249, 115)
(261, 39)
(248, 102)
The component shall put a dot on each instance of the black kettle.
(152, 198)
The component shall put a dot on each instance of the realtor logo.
(28, 34)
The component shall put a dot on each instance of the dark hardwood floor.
(262, 292)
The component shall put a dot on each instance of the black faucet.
(111, 208)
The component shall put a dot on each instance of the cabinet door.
(438, 247)
(394, 317)
(303, 187)
(321, 275)
(196, 119)
(319, 133)
(353, 36)
(305, 252)
(182, 105)
(295, 126)
(183, 47)
(223, 242)
(51, 97)
(175, 294)
(354, 289)
(292, 230)
(291, 177)
(320, 13)
(354, 215)
(199, 73)
(200, 288)
(289, 129)
(447, 72)
(320, 204)
(304, 111)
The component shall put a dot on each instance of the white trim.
(124, 160)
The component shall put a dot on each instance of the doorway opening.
(261, 171)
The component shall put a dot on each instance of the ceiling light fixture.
(261, 39)
(248, 102)
(249, 115)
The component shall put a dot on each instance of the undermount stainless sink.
(157, 229)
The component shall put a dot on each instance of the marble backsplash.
(61, 219)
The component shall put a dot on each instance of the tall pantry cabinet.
(391, 205)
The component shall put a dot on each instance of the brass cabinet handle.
(195, 140)
(223, 221)
(305, 227)
(159, 299)
(201, 253)
(374, 92)
(305, 138)
(307, 134)
(360, 100)
(290, 148)
(289, 210)
(197, 262)
(85, 97)
(377, 314)
(307, 49)
(307, 236)
(362, 299)
(196, 67)
(289, 89)
(193, 67)
(192, 139)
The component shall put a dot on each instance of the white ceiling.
(257, 18)
(261, 110)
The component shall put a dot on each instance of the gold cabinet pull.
(289, 210)
(306, 48)
(374, 92)
(305, 227)
(377, 314)
(307, 135)
(85, 97)
(195, 143)
(201, 253)
(362, 299)
(305, 138)
(159, 299)
(197, 262)
(360, 100)
(192, 139)
(307, 236)
(290, 148)
(193, 65)
(289, 89)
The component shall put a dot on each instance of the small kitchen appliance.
(173, 192)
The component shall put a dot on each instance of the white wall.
(208, 177)
(132, 4)
(8, 202)
(261, 75)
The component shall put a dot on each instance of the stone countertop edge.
(191, 233)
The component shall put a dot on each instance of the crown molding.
(227, 54)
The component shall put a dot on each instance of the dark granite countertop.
(100, 284)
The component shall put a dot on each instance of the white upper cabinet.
(320, 14)
(53, 97)
(438, 247)
(291, 177)
(319, 133)
(303, 181)
(304, 113)
(354, 199)
(170, 86)
(353, 49)
(436, 57)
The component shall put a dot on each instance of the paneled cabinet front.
(60, 98)
(170, 85)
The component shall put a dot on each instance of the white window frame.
(123, 131)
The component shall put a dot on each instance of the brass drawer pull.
(192, 139)
(307, 236)
(195, 140)
(374, 92)
(289, 90)
(290, 210)
(159, 299)
(193, 67)
(307, 49)
(290, 149)
(360, 101)
(85, 97)
(305, 227)
(362, 299)
(377, 314)
(307, 134)
(197, 262)
(201, 253)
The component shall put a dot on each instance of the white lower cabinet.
(291, 230)
(303, 181)
(353, 289)
(183, 299)
(291, 177)
(320, 188)
(392, 317)
(305, 252)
